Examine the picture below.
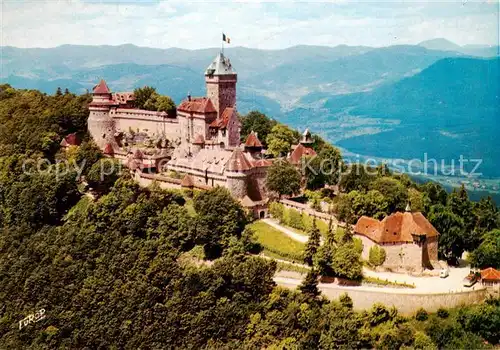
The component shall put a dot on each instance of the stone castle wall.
(145, 121)
(407, 256)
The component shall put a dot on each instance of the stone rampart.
(406, 302)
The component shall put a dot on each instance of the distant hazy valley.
(394, 102)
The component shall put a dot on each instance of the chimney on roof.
(189, 96)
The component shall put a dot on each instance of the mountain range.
(396, 102)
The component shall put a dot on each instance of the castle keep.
(200, 141)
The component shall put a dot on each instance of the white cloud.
(250, 23)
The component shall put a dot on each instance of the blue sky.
(266, 25)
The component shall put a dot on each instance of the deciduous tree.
(280, 140)
(283, 178)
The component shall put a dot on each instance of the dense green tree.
(312, 172)
(87, 155)
(103, 174)
(164, 104)
(346, 261)
(394, 192)
(350, 207)
(459, 204)
(487, 216)
(277, 211)
(142, 95)
(340, 327)
(483, 320)
(323, 168)
(332, 163)
(257, 122)
(280, 140)
(435, 192)
(324, 257)
(219, 217)
(451, 229)
(376, 255)
(422, 341)
(34, 123)
(313, 244)
(41, 198)
(309, 286)
(357, 177)
(283, 178)
(488, 252)
(417, 200)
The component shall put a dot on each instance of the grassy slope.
(277, 244)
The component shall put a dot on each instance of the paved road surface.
(424, 284)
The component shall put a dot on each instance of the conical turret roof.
(238, 162)
(253, 141)
(101, 88)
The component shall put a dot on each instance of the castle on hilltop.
(212, 119)
(197, 146)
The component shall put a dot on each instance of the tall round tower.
(237, 170)
(100, 124)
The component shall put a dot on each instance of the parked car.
(470, 280)
(444, 273)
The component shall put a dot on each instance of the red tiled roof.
(490, 274)
(397, 227)
(198, 140)
(222, 122)
(197, 105)
(261, 163)
(123, 97)
(238, 162)
(253, 140)
(299, 152)
(70, 140)
(108, 149)
(187, 181)
(101, 88)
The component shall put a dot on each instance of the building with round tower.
(203, 137)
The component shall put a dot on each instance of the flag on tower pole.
(226, 38)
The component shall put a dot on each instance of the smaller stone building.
(409, 240)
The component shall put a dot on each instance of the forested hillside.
(131, 267)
